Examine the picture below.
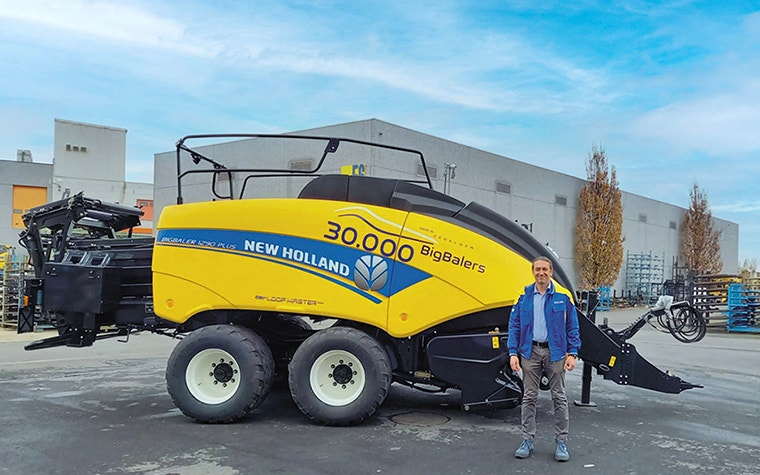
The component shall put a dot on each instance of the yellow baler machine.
(354, 284)
(413, 286)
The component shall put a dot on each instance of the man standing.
(543, 336)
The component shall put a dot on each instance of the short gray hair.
(542, 258)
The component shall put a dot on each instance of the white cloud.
(738, 207)
(706, 102)
(448, 61)
(105, 20)
(721, 123)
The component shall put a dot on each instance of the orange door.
(24, 198)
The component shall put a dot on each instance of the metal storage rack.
(743, 309)
(644, 275)
(751, 283)
(710, 296)
(12, 269)
(680, 285)
(604, 298)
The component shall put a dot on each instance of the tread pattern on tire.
(302, 393)
(257, 350)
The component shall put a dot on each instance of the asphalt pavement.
(105, 410)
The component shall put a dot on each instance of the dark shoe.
(525, 450)
(561, 455)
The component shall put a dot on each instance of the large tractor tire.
(219, 373)
(339, 376)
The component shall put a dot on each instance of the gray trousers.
(532, 368)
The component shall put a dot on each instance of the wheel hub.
(223, 372)
(212, 376)
(342, 373)
(337, 378)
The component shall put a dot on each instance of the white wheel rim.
(212, 376)
(337, 378)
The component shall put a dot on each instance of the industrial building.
(91, 158)
(87, 158)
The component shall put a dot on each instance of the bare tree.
(700, 242)
(599, 228)
(748, 269)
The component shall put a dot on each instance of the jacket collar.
(531, 289)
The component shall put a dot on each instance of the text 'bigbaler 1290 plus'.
(356, 283)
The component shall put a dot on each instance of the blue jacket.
(561, 324)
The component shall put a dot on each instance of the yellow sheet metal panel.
(470, 273)
(296, 256)
(388, 268)
(478, 265)
(175, 306)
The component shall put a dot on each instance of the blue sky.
(670, 89)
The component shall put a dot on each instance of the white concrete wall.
(89, 158)
(99, 170)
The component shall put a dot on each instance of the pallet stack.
(743, 309)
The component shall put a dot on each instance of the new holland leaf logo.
(370, 272)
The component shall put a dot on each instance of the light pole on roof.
(449, 173)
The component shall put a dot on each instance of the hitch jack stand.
(586, 379)
(585, 388)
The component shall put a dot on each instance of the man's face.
(542, 272)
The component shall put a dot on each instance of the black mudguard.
(478, 365)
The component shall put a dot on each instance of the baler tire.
(339, 376)
(219, 373)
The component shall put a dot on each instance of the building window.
(433, 171)
(147, 208)
(75, 148)
(673, 225)
(301, 165)
(504, 188)
(642, 218)
(560, 200)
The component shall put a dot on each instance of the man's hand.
(514, 363)
(570, 361)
